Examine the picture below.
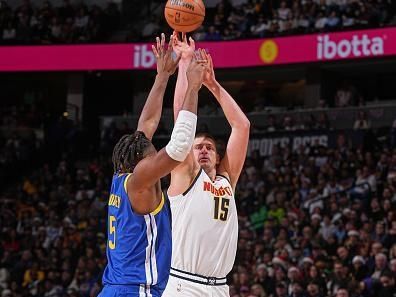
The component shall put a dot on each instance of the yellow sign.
(269, 51)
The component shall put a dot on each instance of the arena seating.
(314, 219)
(47, 23)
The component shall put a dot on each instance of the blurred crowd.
(18, 139)
(21, 116)
(264, 18)
(52, 231)
(317, 222)
(74, 22)
(314, 222)
(29, 135)
(232, 19)
(311, 122)
(29, 24)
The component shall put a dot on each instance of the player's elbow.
(245, 125)
(241, 124)
(182, 137)
(148, 127)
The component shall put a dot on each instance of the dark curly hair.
(129, 151)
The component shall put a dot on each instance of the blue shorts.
(130, 291)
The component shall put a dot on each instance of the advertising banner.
(226, 54)
(265, 143)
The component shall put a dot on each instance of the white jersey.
(205, 227)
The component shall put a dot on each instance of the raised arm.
(152, 168)
(235, 155)
(186, 51)
(184, 173)
(166, 66)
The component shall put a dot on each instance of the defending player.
(139, 219)
(201, 194)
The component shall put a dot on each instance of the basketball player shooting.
(201, 194)
(139, 219)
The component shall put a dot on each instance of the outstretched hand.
(209, 76)
(165, 62)
(183, 47)
(197, 68)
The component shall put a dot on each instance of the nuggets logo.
(208, 187)
(269, 51)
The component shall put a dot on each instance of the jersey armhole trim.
(224, 177)
(193, 183)
(160, 206)
(125, 182)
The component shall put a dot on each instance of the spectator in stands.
(9, 33)
(199, 34)
(344, 96)
(322, 122)
(361, 122)
(359, 269)
(381, 266)
(230, 33)
(280, 289)
(342, 292)
(288, 124)
(56, 29)
(272, 126)
(261, 26)
(284, 12)
(332, 22)
(81, 20)
(213, 34)
(321, 22)
(388, 285)
(347, 21)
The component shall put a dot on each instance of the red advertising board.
(226, 54)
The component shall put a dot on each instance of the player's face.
(205, 153)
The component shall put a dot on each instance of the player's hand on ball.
(165, 62)
(196, 70)
(183, 47)
(209, 76)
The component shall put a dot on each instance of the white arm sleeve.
(183, 135)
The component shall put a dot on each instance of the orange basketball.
(184, 15)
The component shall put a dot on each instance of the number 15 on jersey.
(221, 208)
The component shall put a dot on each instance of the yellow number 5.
(112, 229)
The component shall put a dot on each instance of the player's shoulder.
(121, 179)
(223, 176)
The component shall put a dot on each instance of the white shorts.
(182, 288)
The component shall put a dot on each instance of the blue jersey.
(139, 247)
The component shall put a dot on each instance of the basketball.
(184, 15)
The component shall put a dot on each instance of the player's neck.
(211, 173)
